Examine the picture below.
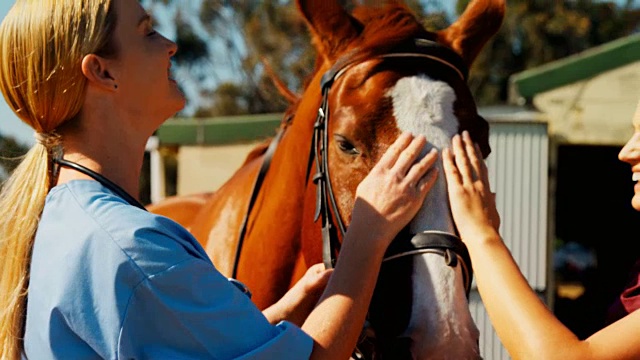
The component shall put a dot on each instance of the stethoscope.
(102, 180)
(129, 199)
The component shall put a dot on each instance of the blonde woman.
(86, 272)
(526, 327)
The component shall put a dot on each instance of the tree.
(237, 36)
(222, 45)
(535, 32)
(11, 152)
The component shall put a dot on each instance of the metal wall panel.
(518, 172)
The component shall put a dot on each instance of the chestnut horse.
(382, 82)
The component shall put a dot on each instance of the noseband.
(447, 245)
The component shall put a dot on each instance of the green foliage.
(536, 32)
(239, 35)
(11, 152)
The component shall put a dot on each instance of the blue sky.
(11, 125)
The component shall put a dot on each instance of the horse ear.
(331, 25)
(480, 21)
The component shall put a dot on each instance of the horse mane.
(279, 84)
(261, 148)
(388, 26)
(257, 151)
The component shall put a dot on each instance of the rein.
(448, 245)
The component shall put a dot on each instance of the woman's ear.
(94, 68)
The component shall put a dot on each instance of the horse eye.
(345, 146)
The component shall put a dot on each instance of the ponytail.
(21, 200)
(42, 44)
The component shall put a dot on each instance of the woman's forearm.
(524, 324)
(337, 320)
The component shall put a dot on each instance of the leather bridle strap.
(436, 242)
(264, 168)
(324, 191)
(325, 198)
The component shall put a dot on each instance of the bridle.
(333, 229)
(448, 245)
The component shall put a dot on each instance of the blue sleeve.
(190, 311)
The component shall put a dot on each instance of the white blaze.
(441, 325)
(424, 106)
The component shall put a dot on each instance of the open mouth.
(636, 176)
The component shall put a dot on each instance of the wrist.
(367, 237)
(481, 237)
(275, 313)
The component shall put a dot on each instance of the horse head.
(379, 72)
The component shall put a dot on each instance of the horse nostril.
(401, 348)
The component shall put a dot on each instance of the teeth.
(636, 176)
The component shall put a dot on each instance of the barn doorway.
(593, 216)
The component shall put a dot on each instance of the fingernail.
(466, 134)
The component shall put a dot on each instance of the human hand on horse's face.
(296, 305)
(473, 205)
(393, 192)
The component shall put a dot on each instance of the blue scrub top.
(109, 280)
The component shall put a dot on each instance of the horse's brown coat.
(282, 239)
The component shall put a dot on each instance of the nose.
(631, 151)
(173, 47)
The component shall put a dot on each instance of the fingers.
(391, 155)
(484, 173)
(419, 169)
(426, 183)
(462, 160)
(316, 278)
(450, 169)
(409, 155)
(474, 160)
(316, 269)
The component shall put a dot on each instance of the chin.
(177, 103)
(635, 202)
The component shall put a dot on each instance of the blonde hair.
(42, 44)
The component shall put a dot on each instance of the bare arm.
(298, 302)
(386, 200)
(524, 324)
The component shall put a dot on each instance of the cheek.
(346, 174)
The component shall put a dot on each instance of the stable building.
(588, 101)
